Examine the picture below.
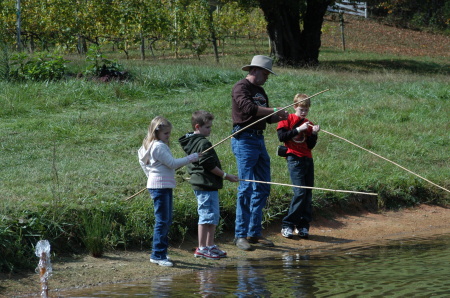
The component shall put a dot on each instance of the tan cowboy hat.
(262, 62)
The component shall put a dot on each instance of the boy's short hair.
(201, 117)
(302, 100)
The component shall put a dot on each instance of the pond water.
(412, 268)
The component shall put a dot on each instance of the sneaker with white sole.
(216, 250)
(303, 233)
(287, 232)
(164, 263)
(205, 253)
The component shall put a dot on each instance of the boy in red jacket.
(299, 136)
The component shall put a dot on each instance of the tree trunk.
(213, 32)
(81, 45)
(283, 26)
(292, 46)
(32, 44)
(142, 48)
(312, 31)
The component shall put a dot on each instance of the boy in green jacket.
(206, 179)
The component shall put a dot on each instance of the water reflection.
(417, 268)
(251, 280)
(208, 285)
(162, 286)
(298, 270)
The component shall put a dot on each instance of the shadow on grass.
(368, 66)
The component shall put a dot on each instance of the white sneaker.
(216, 250)
(287, 232)
(164, 263)
(205, 253)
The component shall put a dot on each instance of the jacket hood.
(144, 154)
(201, 176)
(187, 140)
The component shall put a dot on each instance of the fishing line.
(394, 163)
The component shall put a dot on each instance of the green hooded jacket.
(200, 171)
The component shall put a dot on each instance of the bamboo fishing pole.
(310, 187)
(394, 163)
(230, 136)
(265, 117)
(136, 194)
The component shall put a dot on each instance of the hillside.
(371, 36)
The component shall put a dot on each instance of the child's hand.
(303, 127)
(232, 178)
(315, 129)
(194, 157)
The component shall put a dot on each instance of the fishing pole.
(394, 163)
(265, 117)
(230, 136)
(310, 187)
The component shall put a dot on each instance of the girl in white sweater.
(159, 165)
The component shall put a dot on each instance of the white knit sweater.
(159, 165)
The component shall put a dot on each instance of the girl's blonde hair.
(158, 123)
(302, 100)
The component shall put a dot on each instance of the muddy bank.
(344, 230)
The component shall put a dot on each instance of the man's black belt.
(257, 132)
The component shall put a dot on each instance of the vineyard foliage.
(68, 26)
(73, 25)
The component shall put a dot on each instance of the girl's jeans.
(163, 203)
(301, 170)
(253, 163)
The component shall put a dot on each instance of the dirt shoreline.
(360, 229)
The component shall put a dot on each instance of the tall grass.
(96, 228)
(70, 146)
(4, 60)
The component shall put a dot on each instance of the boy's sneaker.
(287, 233)
(215, 250)
(303, 233)
(164, 263)
(205, 253)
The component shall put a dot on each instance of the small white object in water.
(45, 267)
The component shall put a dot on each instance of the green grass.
(70, 146)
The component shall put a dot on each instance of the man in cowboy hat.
(250, 103)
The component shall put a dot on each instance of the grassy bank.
(68, 148)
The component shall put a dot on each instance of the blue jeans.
(253, 163)
(208, 206)
(163, 204)
(301, 170)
